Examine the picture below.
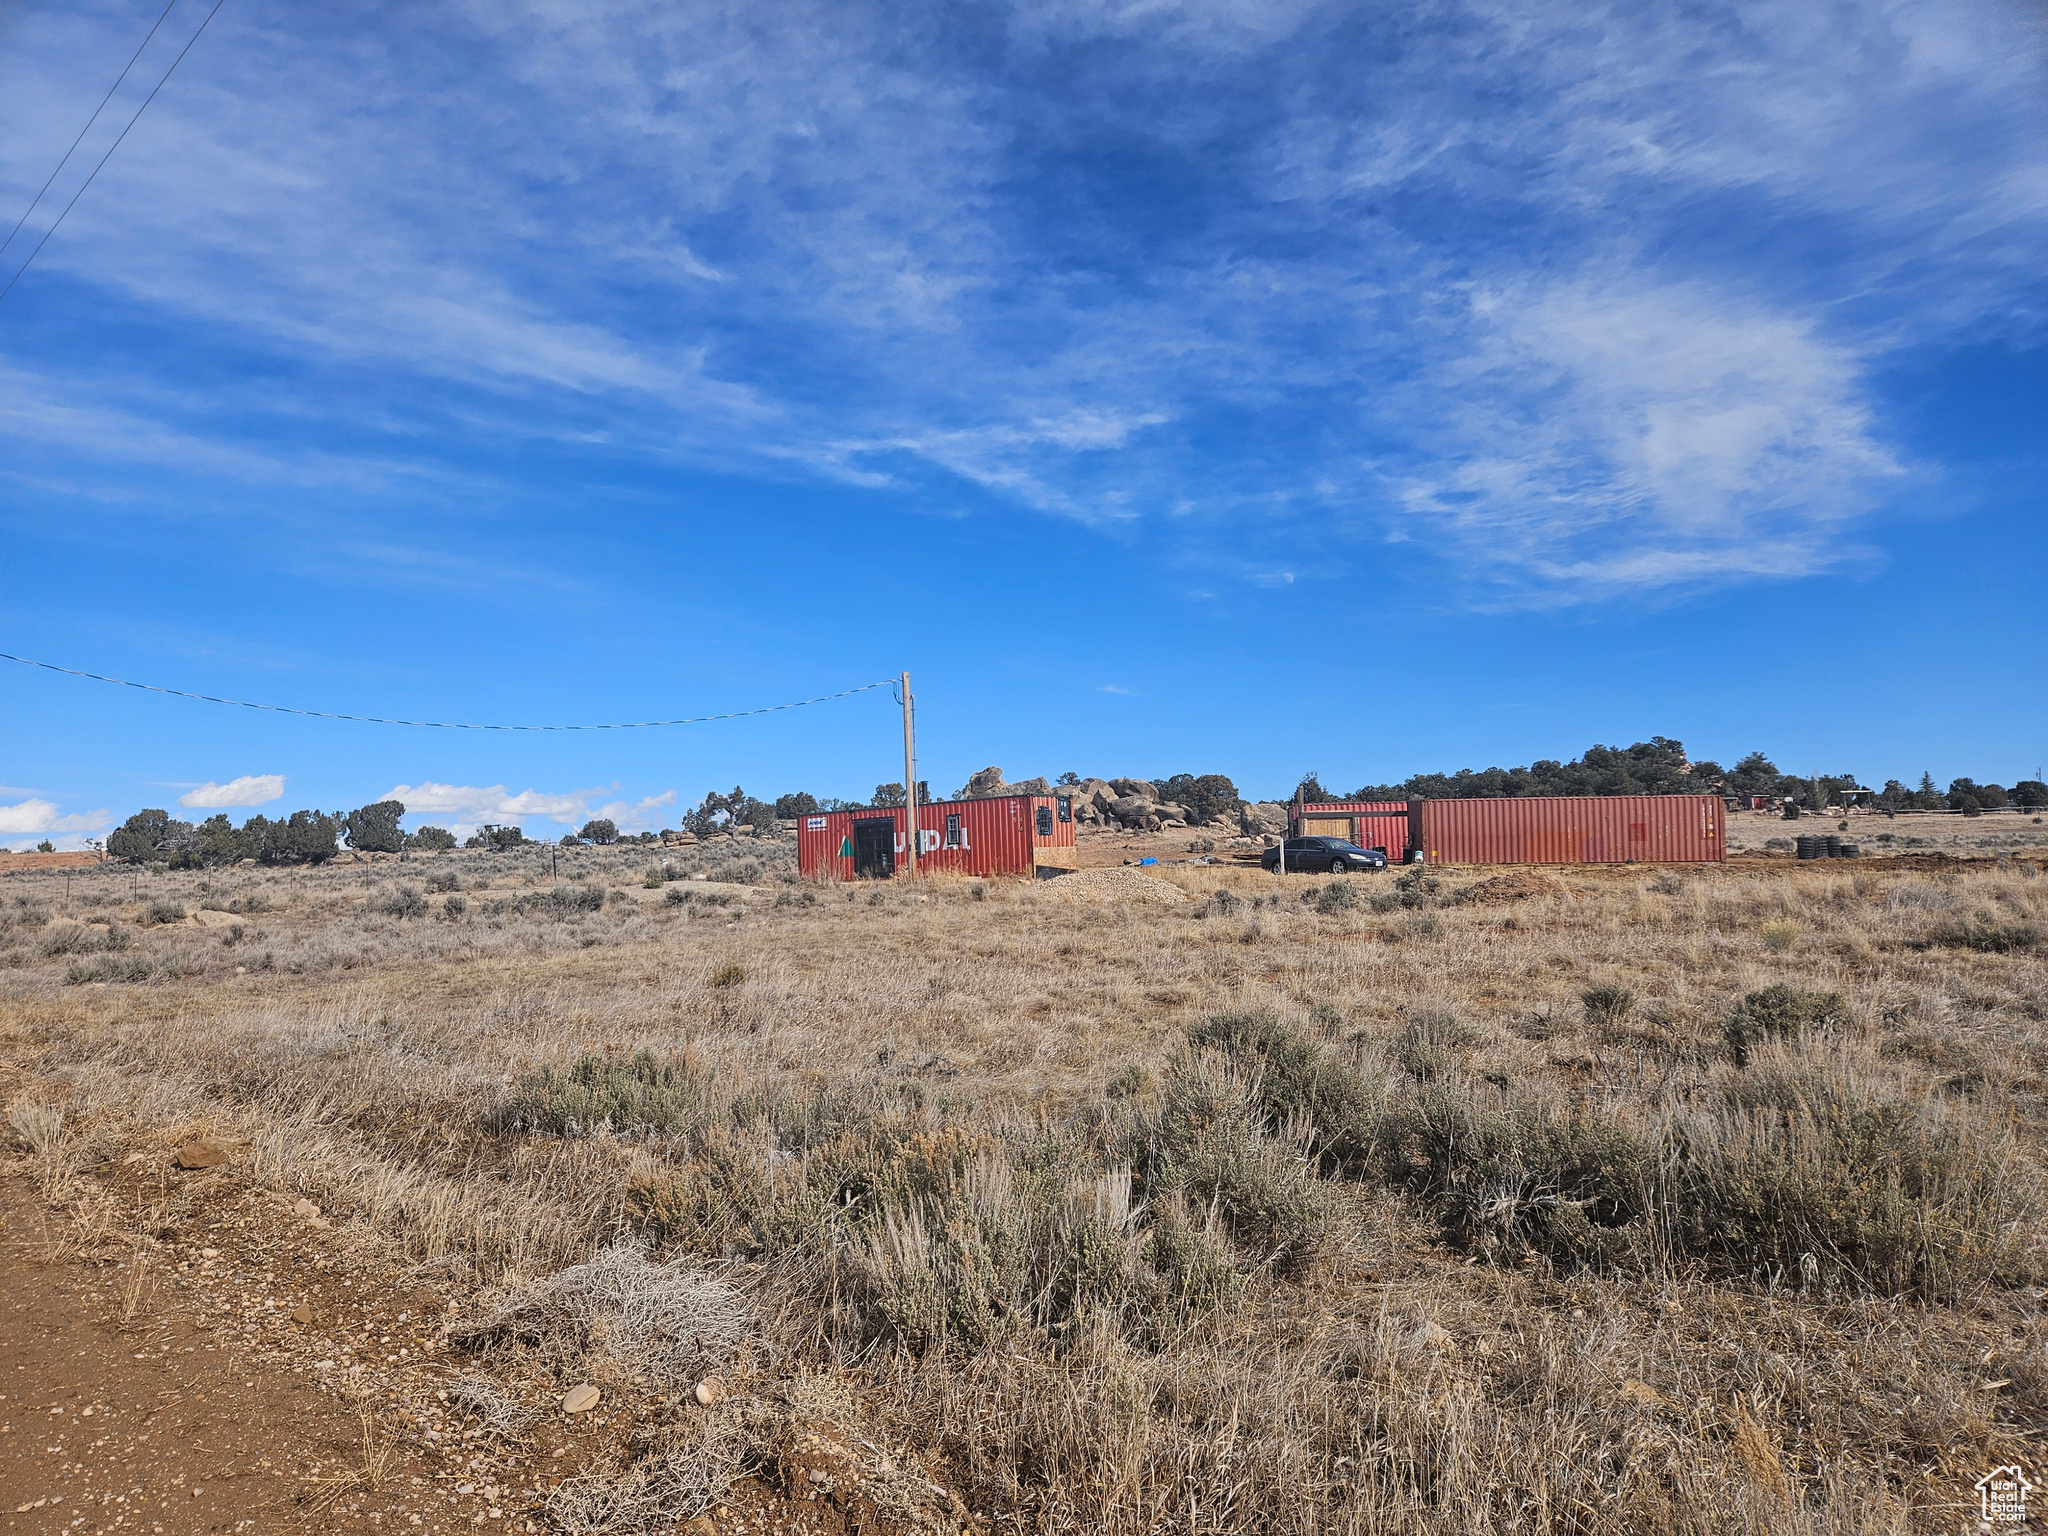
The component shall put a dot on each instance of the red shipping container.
(1010, 835)
(1381, 824)
(1577, 829)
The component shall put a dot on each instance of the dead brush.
(673, 1322)
(672, 1473)
(40, 1123)
(495, 1410)
(137, 1282)
(37, 1122)
(376, 1443)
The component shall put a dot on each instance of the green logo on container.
(846, 847)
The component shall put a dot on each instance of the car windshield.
(1338, 845)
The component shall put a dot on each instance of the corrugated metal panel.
(969, 837)
(1577, 829)
(1379, 824)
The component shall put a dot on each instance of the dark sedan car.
(1323, 856)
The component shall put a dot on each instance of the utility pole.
(909, 782)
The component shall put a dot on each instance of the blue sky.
(1166, 386)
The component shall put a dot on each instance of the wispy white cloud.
(642, 815)
(1608, 433)
(1603, 297)
(250, 789)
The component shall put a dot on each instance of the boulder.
(1264, 817)
(989, 784)
(985, 785)
(1132, 810)
(1144, 787)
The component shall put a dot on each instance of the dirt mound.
(1515, 885)
(1120, 884)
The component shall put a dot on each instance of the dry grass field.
(1985, 835)
(1588, 1200)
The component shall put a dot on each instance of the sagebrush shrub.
(131, 968)
(1205, 1144)
(1776, 1013)
(1337, 896)
(67, 939)
(1885, 1193)
(1985, 935)
(400, 901)
(1414, 887)
(1294, 1083)
(1427, 1045)
(642, 1093)
(1567, 1185)
(561, 901)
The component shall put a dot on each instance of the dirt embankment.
(23, 863)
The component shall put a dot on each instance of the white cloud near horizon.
(1580, 300)
(469, 806)
(251, 789)
(38, 817)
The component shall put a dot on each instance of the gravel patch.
(1123, 884)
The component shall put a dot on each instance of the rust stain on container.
(1010, 835)
(1576, 829)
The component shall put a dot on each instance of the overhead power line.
(444, 725)
(96, 111)
(32, 255)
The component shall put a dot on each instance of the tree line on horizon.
(1658, 766)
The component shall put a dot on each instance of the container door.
(874, 850)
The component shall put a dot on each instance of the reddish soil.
(262, 1370)
(22, 863)
(156, 1424)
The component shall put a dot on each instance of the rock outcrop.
(989, 785)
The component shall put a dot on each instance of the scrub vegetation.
(1580, 1200)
